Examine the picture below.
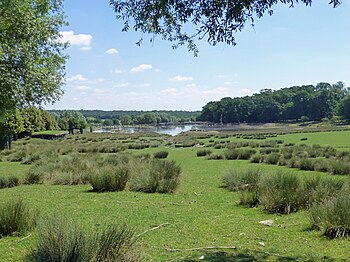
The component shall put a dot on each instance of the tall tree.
(31, 53)
(216, 20)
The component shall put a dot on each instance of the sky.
(108, 71)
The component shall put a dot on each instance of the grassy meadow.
(200, 220)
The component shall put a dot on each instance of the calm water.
(168, 130)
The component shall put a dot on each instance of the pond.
(168, 130)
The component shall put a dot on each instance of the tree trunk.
(9, 141)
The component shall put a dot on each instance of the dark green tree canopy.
(31, 53)
(215, 20)
(287, 104)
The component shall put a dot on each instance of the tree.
(343, 108)
(70, 120)
(31, 53)
(216, 20)
(10, 125)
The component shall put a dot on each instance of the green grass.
(199, 214)
(337, 139)
(50, 132)
(9, 169)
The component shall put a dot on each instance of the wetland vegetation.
(198, 207)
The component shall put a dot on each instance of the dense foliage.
(109, 118)
(31, 58)
(21, 122)
(216, 21)
(298, 102)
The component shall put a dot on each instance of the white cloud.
(100, 80)
(76, 78)
(216, 91)
(140, 68)
(112, 51)
(83, 40)
(180, 78)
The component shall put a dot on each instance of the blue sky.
(107, 70)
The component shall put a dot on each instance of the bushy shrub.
(307, 164)
(17, 156)
(249, 198)
(339, 167)
(322, 165)
(161, 154)
(236, 180)
(33, 176)
(155, 176)
(332, 216)
(114, 243)
(203, 152)
(282, 193)
(110, 178)
(215, 156)
(12, 181)
(239, 153)
(231, 154)
(3, 182)
(59, 239)
(257, 158)
(272, 158)
(31, 158)
(269, 150)
(15, 218)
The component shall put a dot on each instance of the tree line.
(118, 117)
(305, 102)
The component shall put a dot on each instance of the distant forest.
(119, 117)
(306, 102)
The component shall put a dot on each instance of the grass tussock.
(110, 178)
(281, 193)
(155, 176)
(332, 216)
(15, 218)
(60, 239)
(204, 152)
(161, 154)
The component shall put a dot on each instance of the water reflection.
(168, 130)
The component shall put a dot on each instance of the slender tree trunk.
(9, 141)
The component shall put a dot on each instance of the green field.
(200, 214)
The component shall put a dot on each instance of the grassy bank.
(199, 214)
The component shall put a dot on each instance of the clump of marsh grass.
(161, 154)
(110, 178)
(282, 193)
(60, 239)
(155, 176)
(203, 152)
(236, 180)
(15, 218)
(239, 153)
(246, 182)
(215, 156)
(332, 216)
(114, 243)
